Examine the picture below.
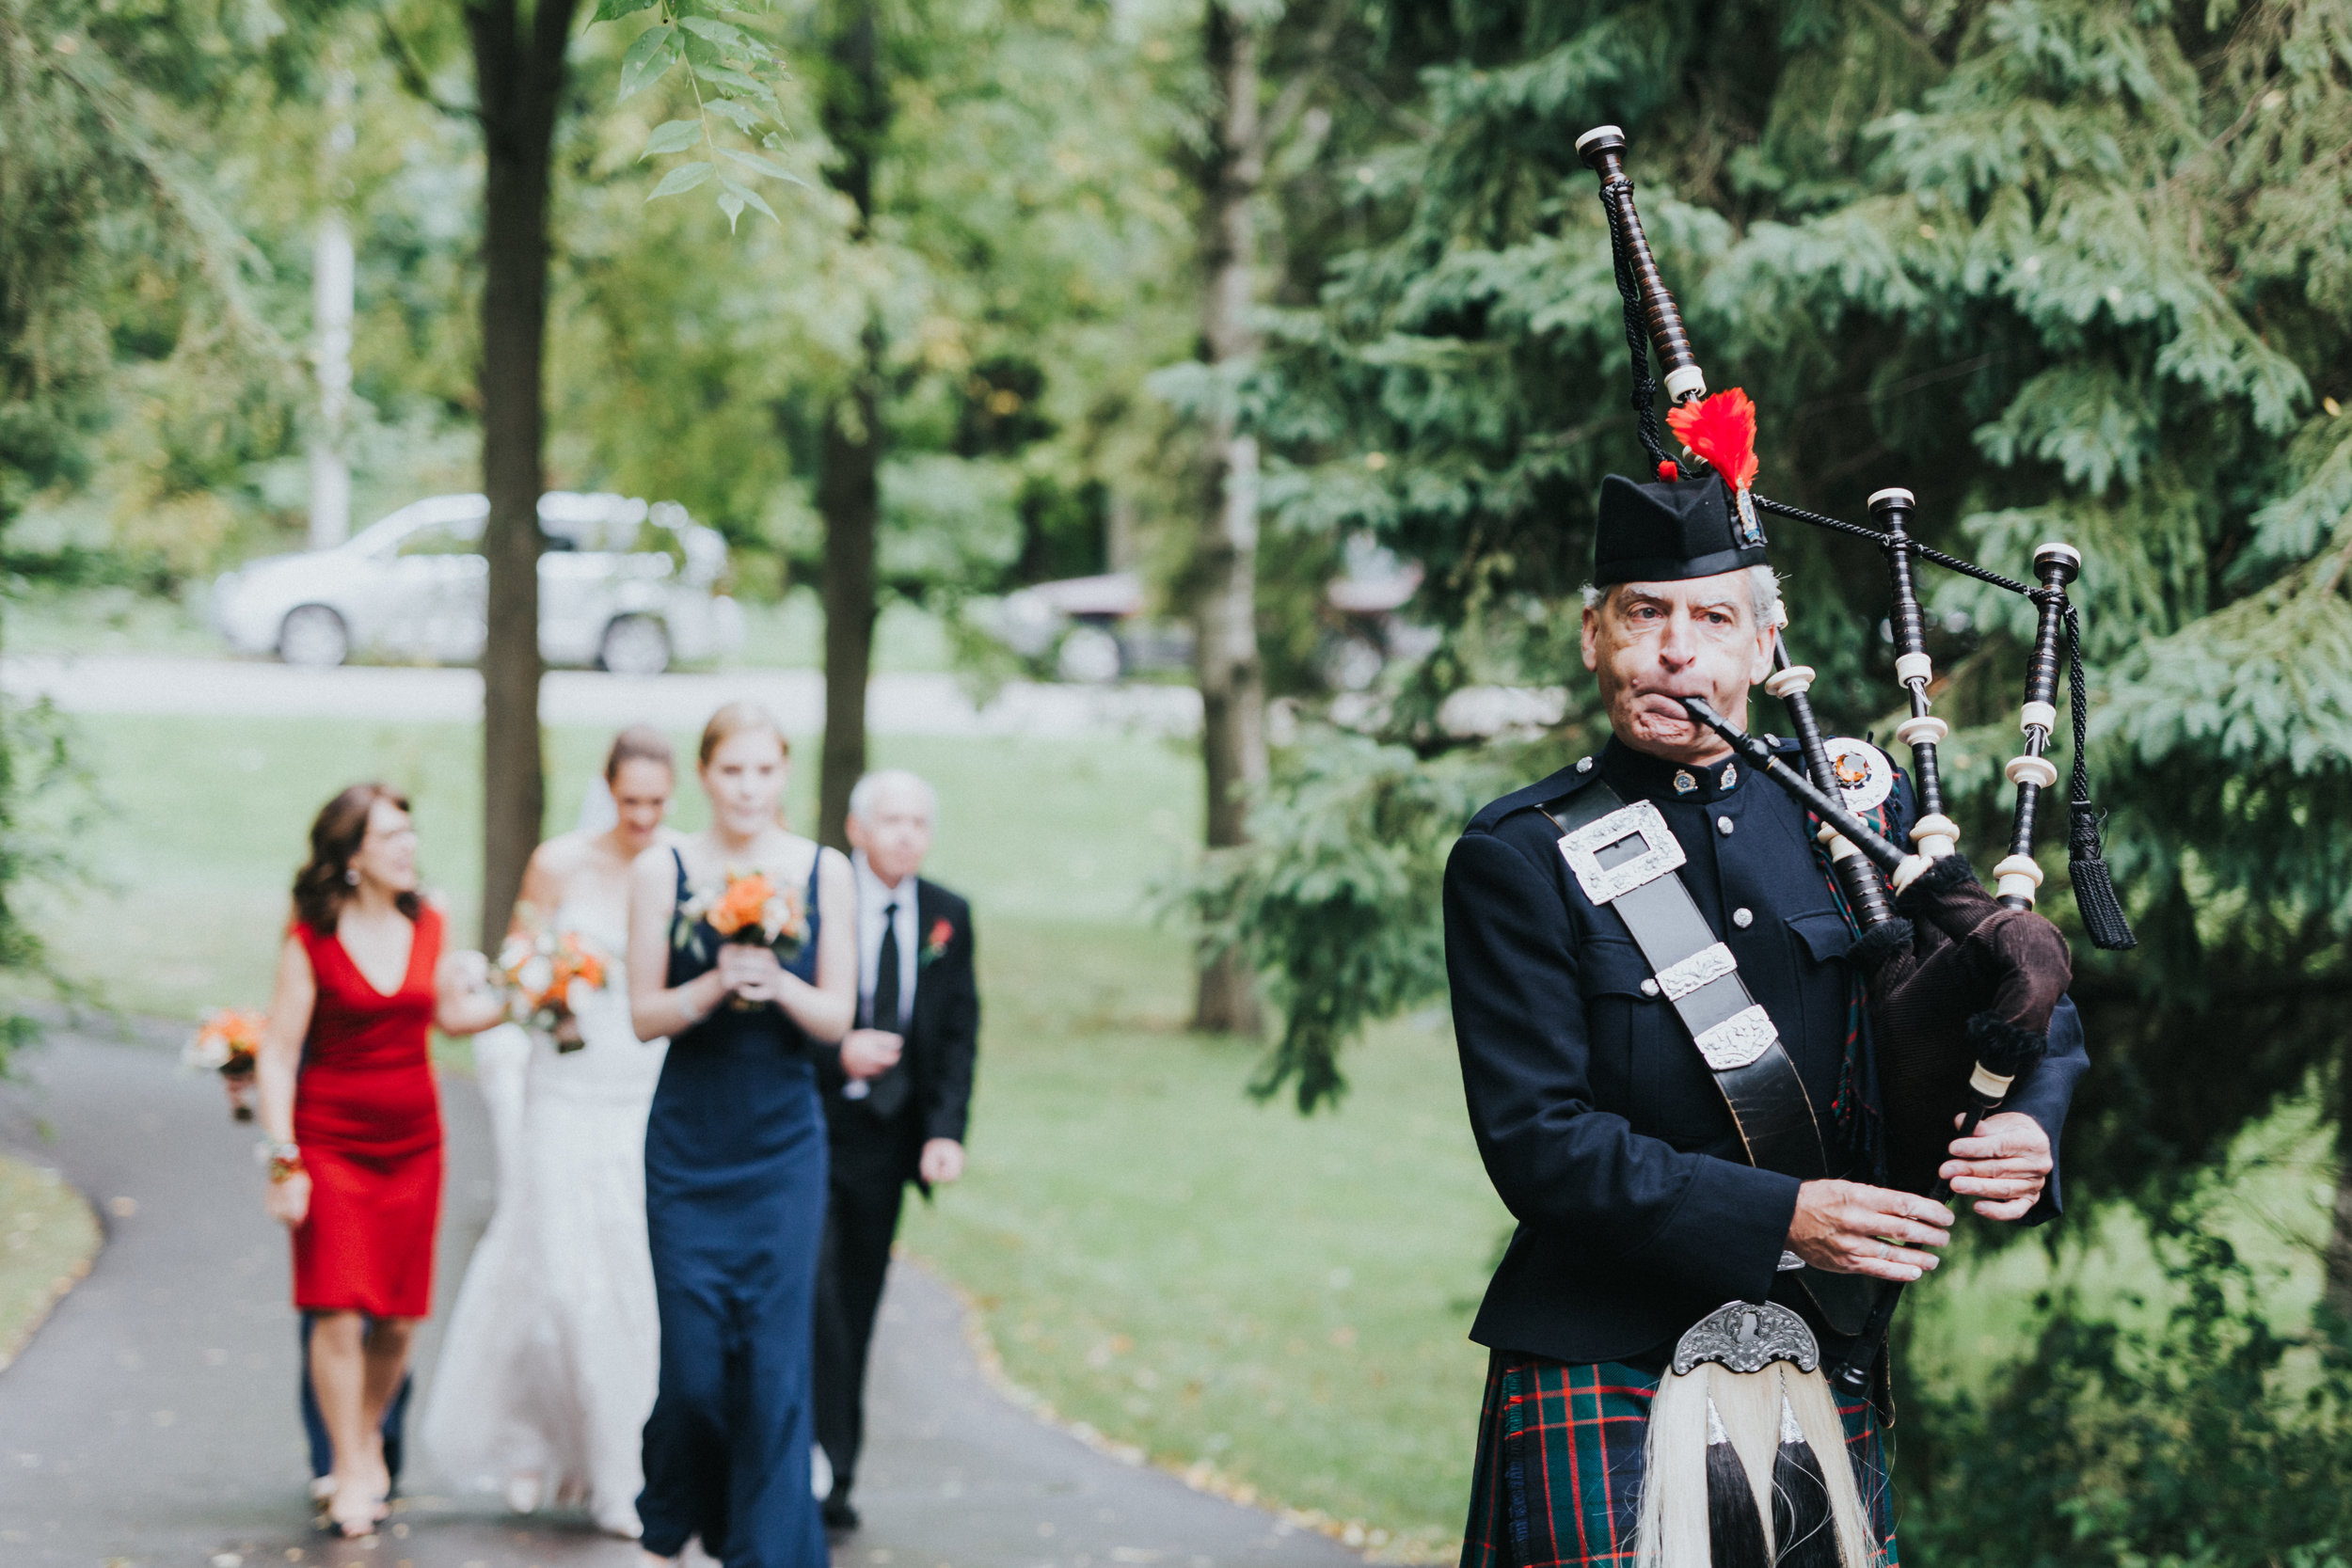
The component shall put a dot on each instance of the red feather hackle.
(1721, 430)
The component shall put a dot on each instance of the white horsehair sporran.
(1746, 1463)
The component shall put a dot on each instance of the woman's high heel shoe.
(353, 1512)
(358, 1525)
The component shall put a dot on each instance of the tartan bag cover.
(1558, 1482)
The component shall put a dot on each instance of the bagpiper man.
(1614, 1123)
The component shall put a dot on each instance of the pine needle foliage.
(1362, 830)
(2206, 1438)
(2066, 268)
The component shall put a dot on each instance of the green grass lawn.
(1214, 1280)
(198, 826)
(1278, 1302)
(47, 1238)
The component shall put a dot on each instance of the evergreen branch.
(1396, 114)
(2268, 989)
(1873, 398)
(1575, 435)
(2332, 573)
(1901, 30)
(2189, 164)
(1292, 103)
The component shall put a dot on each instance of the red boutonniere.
(943, 931)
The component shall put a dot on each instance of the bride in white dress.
(548, 1368)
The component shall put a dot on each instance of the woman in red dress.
(349, 1103)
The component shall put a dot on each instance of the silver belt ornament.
(1725, 1042)
(1747, 1336)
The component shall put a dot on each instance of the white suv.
(622, 585)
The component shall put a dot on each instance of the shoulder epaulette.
(1542, 793)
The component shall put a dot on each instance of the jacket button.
(1744, 918)
(1649, 988)
(1723, 826)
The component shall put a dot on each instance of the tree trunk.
(518, 74)
(1225, 612)
(848, 483)
(848, 497)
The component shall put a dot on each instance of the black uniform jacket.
(942, 1033)
(1599, 1125)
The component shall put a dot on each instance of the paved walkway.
(151, 1423)
(895, 704)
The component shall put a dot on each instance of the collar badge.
(1731, 775)
(1684, 784)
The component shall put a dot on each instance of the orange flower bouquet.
(541, 970)
(227, 1043)
(751, 910)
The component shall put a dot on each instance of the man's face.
(894, 833)
(1653, 642)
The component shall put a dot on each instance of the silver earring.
(351, 875)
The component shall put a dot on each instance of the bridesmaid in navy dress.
(735, 1160)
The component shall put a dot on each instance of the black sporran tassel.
(2094, 889)
(1735, 1529)
(1801, 1520)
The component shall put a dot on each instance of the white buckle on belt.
(1701, 969)
(1661, 852)
(1738, 1039)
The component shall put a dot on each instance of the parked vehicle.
(622, 586)
(1091, 630)
(1084, 625)
(1365, 615)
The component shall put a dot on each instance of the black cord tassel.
(1801, 1519)
(1644, 398)
(1735, 1529)
(2086, 865)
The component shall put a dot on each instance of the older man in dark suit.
(896, 1102)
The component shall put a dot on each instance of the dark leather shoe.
(839, 1516)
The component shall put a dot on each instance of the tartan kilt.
(1558, 1482)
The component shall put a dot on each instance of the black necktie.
(889, 1090)
(886, 975)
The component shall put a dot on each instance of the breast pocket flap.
(1611, 967)
(1824, 933)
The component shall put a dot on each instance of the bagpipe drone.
(1960, 981)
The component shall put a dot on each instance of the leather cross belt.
(1625, 857)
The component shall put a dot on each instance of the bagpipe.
(1960, 981)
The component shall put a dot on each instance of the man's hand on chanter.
(1847, 1227)
(2004, 1167)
